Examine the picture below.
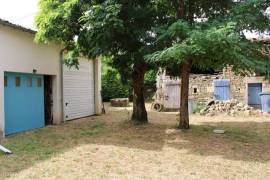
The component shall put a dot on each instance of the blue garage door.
(254, 89)
(222, 89)
(24, 102)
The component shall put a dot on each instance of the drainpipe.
(62, 83)
(5, 150)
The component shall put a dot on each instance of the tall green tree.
(210, 35)
(121, 29)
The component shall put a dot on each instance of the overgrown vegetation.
(197, 107)
(116, 86)
(112, 87)
(150, 78)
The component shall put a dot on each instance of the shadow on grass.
(244, 141)
(238, 143)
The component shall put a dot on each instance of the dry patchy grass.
(110, 147)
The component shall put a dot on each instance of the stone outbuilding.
(225, 85)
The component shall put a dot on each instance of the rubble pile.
(231, 107)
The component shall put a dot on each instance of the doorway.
(254, 89)
(48, 100)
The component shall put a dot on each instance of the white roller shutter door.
(79, 90)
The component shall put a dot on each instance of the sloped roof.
(16, 26)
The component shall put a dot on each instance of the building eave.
(16, 26)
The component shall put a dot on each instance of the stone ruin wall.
(201, 86)
(237, 84)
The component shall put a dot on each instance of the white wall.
(18, 53)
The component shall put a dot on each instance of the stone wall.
(201, 87)
(237, 84)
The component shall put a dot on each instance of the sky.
(20, 12)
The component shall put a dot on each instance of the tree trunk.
(181, 10)
(184, 115)
(185, 68)
(139, 114)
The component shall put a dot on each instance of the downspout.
(5, 150)
(62, 84)
(99, 106)
(95, 88)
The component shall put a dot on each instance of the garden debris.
(231, 107)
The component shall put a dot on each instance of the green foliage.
(118, 28)
(251, 15)
(112, 87)
(150, 84)
(198, 107)
(150, 78)
(215, 37)
(58, 21)
(139, 35)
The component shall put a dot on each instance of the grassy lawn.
(110, 147)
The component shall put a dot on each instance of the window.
(39, 82)
(18, 81)
(195, 90)
(6, 81)
(29, 82)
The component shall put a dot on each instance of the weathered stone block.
(120, 102)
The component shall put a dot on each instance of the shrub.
(150, 78)
(198, 106)
(112, 87)
(116, 86)
(150, 84)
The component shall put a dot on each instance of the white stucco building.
(36, 88)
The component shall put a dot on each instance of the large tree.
(210, 35)
(120, 29)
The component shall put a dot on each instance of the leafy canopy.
(117, 28)
(210, 35)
